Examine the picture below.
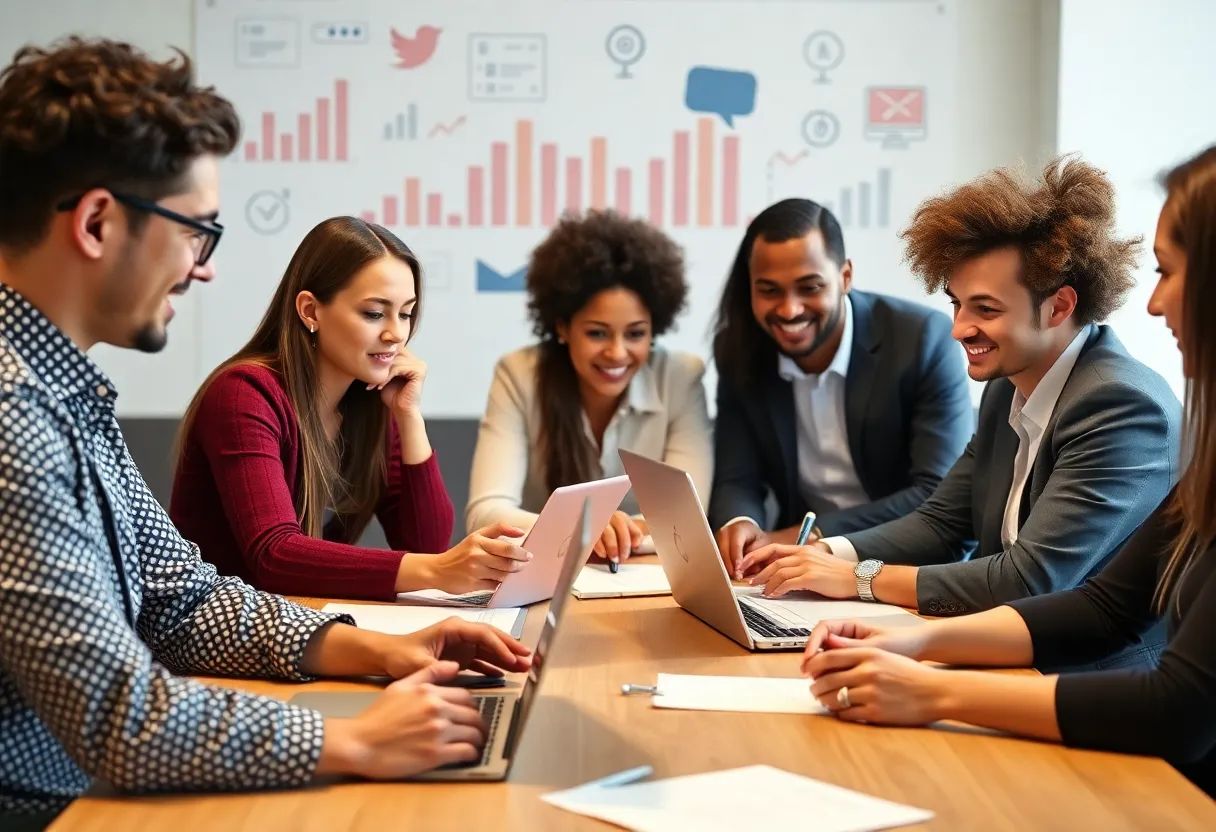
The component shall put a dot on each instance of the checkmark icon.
(267, 212)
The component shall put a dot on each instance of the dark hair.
(1190, 211)
(1063, 225)
(349, 473)
(581, 257)
(97, 113)
(742, 350)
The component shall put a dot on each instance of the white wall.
(1005, 113)
(1135, 97)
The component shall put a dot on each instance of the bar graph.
(872, 206)
(523, 182)
(313, 138)
(404, 127)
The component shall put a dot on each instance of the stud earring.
(312, 327)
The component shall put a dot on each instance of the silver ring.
(842, 698)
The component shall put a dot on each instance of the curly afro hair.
(584, 255)
(1064, 226)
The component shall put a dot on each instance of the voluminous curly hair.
(1063, 225)
(581, 257)
(584, 255)
(85, 114)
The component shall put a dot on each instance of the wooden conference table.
(583, 728)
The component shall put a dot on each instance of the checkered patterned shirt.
(86, 653)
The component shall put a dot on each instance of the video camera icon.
(625, 46)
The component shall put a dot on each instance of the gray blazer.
(1109, 456)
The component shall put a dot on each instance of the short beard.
(150, 339)
(826, 330)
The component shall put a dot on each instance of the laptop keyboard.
(476, 599)
(761, 624)
(490, 708)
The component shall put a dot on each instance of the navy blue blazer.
(908, 415)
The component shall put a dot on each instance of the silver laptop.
(689, 553)
(505, 713)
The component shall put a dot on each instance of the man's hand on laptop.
(620, 537)
(416, 725)
(735, 540)
(782, 568)
(477, 647)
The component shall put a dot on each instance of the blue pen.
(804, 532)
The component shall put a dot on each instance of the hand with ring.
(865, 684)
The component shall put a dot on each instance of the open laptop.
(689, 554)
(504, 712)
(549, 542)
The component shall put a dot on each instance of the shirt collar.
(1038, 408)
(49, 356)
(644, 391)
(789, 370)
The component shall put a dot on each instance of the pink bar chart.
(323, 129)
(522, 182)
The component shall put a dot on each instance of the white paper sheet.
(753, 694)
(753, 797)
(596, 581)
(814, 608)
(400, 620)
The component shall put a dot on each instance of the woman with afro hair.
(601, 288)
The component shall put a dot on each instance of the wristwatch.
(865, 573)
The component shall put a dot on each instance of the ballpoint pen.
(808, 523)
(613, 566)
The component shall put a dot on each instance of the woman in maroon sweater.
(296, 441)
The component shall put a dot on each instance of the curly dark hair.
(1064, 226)
(581, 257)
(98, 113)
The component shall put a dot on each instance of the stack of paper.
(754, 797)
(631, 579)
(401, 620)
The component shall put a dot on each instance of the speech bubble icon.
(725, 92)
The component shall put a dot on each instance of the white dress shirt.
(662, 416)
(827, 479)
(1029, 419)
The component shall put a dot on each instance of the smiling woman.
(602, 288)
(313, 426)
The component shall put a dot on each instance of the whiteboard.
(468, 126)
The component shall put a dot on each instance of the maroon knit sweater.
(232, 495)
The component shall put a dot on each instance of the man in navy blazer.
(850, 404)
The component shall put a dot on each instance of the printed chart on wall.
(469, 127)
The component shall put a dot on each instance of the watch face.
(868, 568)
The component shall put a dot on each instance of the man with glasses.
(109, 192)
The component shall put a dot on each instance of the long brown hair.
(348, 472)
(583, 256)
(1191, 212)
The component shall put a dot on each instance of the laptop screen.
(570, 569)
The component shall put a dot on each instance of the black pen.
(613, 566)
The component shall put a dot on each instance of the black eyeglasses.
(204, 242)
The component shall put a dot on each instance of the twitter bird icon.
(414, 52)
